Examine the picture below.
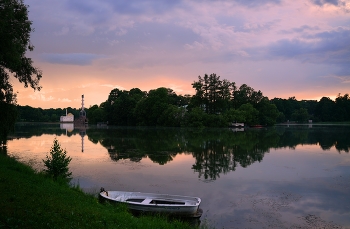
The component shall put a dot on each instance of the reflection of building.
(67, 118)
(82, 133)
(67, 126)
(237, 129)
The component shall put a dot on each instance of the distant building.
(82, 120)
(67, 118)
(82, 111)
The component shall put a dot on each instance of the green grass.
(31, 200)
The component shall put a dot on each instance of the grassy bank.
(30, 200)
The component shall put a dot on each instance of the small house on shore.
(67, 118)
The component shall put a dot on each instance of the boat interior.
(154, 201)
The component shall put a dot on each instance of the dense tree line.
(216, 103)
(30, 114)
(325, 110)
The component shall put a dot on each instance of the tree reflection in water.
(216, 151)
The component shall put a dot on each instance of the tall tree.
(212, 94)
(149, 110)
(324, 111)
(200, 98)
(120, 106)
(268, 112)
(301, 115)
(342, 107)
(15, 29)
(8, 115)
(226, 94)
(250, 113)
(246, 94)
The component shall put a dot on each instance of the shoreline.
(32, 200)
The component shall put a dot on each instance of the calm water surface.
(280, 177)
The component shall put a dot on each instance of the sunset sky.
(284, 48)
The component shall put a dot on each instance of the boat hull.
(156, 203)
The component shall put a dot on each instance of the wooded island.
(216, 103)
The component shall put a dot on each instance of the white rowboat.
(156, 203)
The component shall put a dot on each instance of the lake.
(295, 176)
